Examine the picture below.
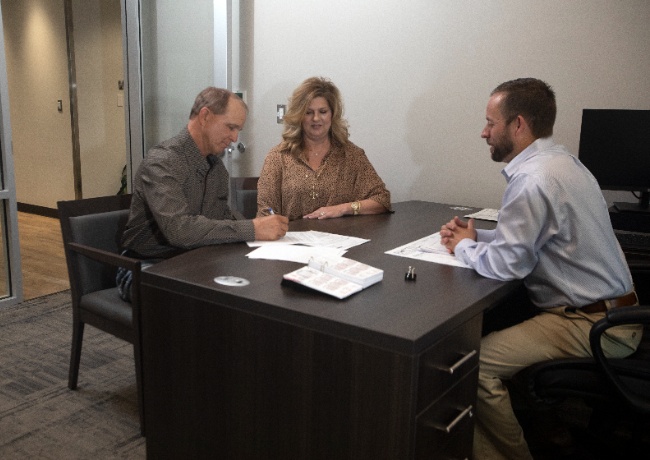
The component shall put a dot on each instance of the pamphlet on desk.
(337, 276)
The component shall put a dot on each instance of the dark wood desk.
(271, 372)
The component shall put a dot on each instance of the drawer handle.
(447, 429)
(458, 363)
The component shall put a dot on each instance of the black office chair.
(91, 230)
(243, 195)
(640, 268)
(611, 381)
(614, 388)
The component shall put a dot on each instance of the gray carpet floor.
(39, 416)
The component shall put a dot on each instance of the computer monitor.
(615, 147)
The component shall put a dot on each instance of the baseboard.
(38, 210)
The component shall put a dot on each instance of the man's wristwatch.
(356, 207)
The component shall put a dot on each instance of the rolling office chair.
(611, 381)
(615, 388)
(91, 230)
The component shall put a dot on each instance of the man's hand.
(455, 230)
(270, 228)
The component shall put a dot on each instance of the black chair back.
(243, 195)
(101, 231)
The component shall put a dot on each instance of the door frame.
(133, 87)
(9, 216)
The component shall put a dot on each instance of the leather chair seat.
(558, 379)
(109, 304)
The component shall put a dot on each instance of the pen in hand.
(270, 211)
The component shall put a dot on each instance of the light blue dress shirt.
(553, 231)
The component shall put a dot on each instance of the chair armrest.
(617, 317)
(628, 315)
(106, 257)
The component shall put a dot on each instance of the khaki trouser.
(552, 334)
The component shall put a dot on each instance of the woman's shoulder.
(278, 157)
(352, 150)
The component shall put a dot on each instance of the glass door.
(10, 273)
(172, 52)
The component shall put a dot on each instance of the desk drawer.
(448, 361)
(446, 429)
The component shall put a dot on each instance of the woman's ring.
(322, 213)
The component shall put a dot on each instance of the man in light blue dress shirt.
(553, 232)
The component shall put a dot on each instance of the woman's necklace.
(318, 149)
(314, 159)
(317, 152)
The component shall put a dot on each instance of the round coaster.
(231, 281)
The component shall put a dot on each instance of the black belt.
(601, 305)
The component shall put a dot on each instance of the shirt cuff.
(460, 250)
(485, 236)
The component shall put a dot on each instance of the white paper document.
(485, 214)
(428, 249)
(293, 253)
(313, 238)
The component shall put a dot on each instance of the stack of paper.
(302, 246)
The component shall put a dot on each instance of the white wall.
(416, 75)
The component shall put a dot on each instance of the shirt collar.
(193, 155)
(540, 144)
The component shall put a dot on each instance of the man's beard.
(501, 149)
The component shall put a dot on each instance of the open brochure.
(337, 276)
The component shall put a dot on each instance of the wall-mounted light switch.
(281, 109)
(59, 105)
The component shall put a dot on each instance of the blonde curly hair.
(292, 135)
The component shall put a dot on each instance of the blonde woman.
(316, 172)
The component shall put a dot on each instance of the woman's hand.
(329, 212)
